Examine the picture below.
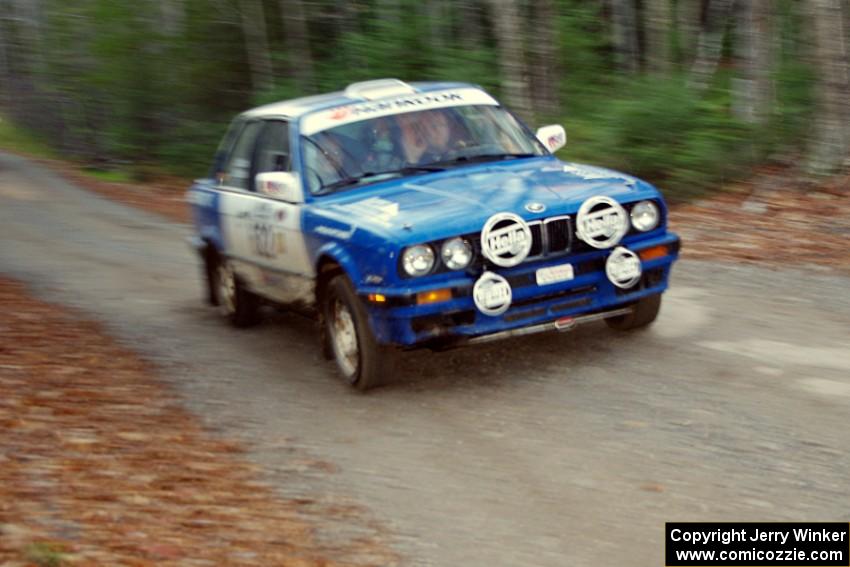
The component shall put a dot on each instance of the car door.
(236, 203)
(275, 244)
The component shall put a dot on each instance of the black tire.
(210, 257)
(364, 363)
(236, 303)
(643, 313)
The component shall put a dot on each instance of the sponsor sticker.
(337, 116)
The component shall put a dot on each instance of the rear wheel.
(237, 304)
(210, 257)
(643, 313)
(359, 358)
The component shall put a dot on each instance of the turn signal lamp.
(653, 253)
(435, 296)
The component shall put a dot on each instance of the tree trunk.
(508, 29)
(752, 91)
(256, 43)
(5, 74)
(294, 15)
(710, 43)
(688, 26)
(831, 137)
(438, 22)
(624, 29)
(172, 15)
(389, 12)
(471, 35)
(657, 26)
(544, 52)
(30, 96)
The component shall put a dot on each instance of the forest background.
(689, 94)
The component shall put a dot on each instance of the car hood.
(459, 201)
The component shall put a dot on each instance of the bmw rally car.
(422, 215)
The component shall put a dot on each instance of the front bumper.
(534, 308)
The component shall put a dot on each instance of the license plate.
(555, 274)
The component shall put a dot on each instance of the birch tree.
(294, 16)
(658, 26)
(831, 135)
(688, 26)
(172, 17)
(5, 74)
(710, 42)
(753, 89)
(508, 30)
(256, 43)
(471, 31)
(544, 51)
(624, 20)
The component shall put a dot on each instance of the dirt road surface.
(547, 451)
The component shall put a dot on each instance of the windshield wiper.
(378, 176)
(460, 160)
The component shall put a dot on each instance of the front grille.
(536, 239)
(549, 237)
(558, 235)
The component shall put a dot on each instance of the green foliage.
(658, 130)
(110, 175)
(120, 82)
(15, 138)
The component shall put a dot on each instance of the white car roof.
(354, 93)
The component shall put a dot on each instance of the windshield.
(402, 144)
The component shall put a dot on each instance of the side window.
(238, 168)
(273, 148)
(224, 146)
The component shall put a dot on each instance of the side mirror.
(282, 185)
(553, 137)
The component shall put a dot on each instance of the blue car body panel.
(365, 230)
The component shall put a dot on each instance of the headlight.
(418, 260)
(456, 253)
(645, 216)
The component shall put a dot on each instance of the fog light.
(377, 298)
(653, 253)
(435, 296)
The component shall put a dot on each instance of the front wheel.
(360, 359)
(643, 313)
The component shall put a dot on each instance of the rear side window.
(237, 172)
(224, 146)
(273, 148)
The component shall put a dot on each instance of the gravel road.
(550, 450)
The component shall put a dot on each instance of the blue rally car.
(422, 215)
